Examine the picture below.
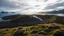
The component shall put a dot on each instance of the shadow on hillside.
(16, 24)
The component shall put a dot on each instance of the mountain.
(57, 12)
(4, 13)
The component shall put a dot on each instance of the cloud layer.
(31, 6)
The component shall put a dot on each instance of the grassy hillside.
(36, 30)
(27, 25)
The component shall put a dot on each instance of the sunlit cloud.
(31, 6)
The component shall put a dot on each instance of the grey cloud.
(42, 0)
(6, 4)
(24, 5)
(55, 5)
(45, 0)
(37, 5)
(12, 5)
(59, 0)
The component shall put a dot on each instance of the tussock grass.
(29, 30)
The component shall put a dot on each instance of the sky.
(31, 6)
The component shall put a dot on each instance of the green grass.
(27, 30)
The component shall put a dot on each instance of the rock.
(34, 32)
(20, 27)
(52, 28)
(31, 28)
(42, 32)
(19, 33)
(59, 33)
(43, 27)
